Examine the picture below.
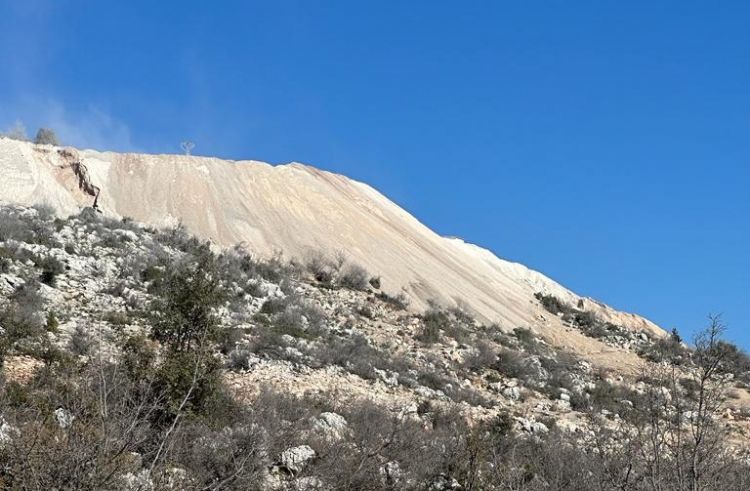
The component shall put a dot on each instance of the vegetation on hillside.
(132, 340)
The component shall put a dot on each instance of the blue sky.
(604, 143)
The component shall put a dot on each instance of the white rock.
(309, 483)
(7, 432)
(537, 427)
(128, 234)
(331, 424)
(296, 458)
(411, 408)
(444, 483)
(292, 352)
(425, 392)
(512, 393)
(561, 405)
(140, 481)
(391, 473)
(64, 418)
(532, 426)
(567, 426)
(389, 379)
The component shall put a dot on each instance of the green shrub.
(191, 383)
(663, 350)
(183, 313)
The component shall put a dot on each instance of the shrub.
(513, 365)
(52, 323)
(354, 277)
(609, 396)
(356, 355)
(138, 358)
(51, 268)
(433, 321)
(81, 342)
(30, 229)
(734, 360)
(46, 136)
(116, 318)
(322, 268)
(183, 314)
(365, 311)
(238, 359)
(178, 238)
(273, 306)
(21, 317)
(399, 302)
(584, 320)
(483, 356)
(552, 304)
(375, 282)
(664, 349)
(6, 260)
(190, 382)
(525, 337)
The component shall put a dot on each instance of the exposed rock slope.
(294, 209)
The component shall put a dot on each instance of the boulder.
(7, 432)
(137, 481)
(332, 425)
(444, 483)
(512, 393)
(64, 418)
(296, 458)
(309, 483)
(391, 473)
(533, 427)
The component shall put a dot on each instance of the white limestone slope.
(296, 209)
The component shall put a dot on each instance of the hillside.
(136, 358)
(299, 211)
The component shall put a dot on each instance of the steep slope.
(295, 209)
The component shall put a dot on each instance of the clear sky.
(605, 143)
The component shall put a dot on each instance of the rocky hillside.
(143, 358)
(298, 210)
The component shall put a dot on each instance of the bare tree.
(676, 441)
(187, 147)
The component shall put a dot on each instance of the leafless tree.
(675, 441)
(187, 147)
